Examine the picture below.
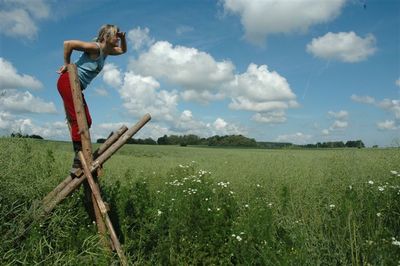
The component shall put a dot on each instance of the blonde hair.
(106, 32)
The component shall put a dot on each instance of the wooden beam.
(104, 146)
(75, 182)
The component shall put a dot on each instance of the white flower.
(350, 187)
(395, 242)
(238, 238)
(393, 172)
(159, 212)
(332, 206)
(370, 182)
(381, 188)
(379, 214)
(246, 205)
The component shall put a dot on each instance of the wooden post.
(85, 136)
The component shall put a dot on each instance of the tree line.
(237, 141)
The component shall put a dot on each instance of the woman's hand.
(62, 69)
(121, 34)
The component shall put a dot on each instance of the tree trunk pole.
(85, 137)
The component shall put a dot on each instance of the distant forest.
(224, 141)
(237, 141)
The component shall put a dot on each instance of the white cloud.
(296, 138)
(112, 75)
(339, 115)
(10, 79)
(189, 68)
(343, 46)
(363, 99)
(140, 95)
(220, 123)
(338, 124)
(24, 102)
(397, 82)
(140, 38)
(19, 18)
(262, 91)
(387, 125)
(10, 123)
(270, 117)
(392, 106)
(262, 18)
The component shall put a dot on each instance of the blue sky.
(301, 71)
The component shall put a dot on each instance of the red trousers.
(64, 88)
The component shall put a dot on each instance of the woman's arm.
(69, 46)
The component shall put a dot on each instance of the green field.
(207, 206)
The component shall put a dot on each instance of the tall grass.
(185, 205)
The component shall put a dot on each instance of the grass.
(189, 205)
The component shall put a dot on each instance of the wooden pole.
(85, 138)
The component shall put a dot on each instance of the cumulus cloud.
(296, 138)
(112, 75)
(387, 125)
(24, 102)
(140, 38)
(141, 95)
(10, 79)
(340, 122)
(263, 91)
(262, 18)
(19, 18)
(343, 46)
(193, 70)
(10, 123)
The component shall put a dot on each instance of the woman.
(110, 41)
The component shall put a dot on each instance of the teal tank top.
(89, 68)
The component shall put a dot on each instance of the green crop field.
(206, 206)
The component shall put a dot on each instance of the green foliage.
(249, 207)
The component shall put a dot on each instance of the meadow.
(207, 206)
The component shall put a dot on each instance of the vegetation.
(193, 205)
(236, 141)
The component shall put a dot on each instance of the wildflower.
(159, 212)
(350, 187)
(395, 242)
(208, 209)
(393, 172)
(370, 182)
(258, 185)
(270, 204)
(332, 206)
(381, 188)
(246, 205)
(238, 238)
(379, 214)
(218, 209)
